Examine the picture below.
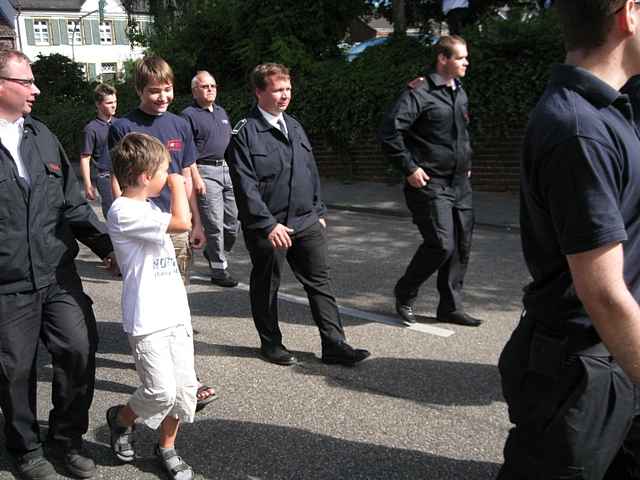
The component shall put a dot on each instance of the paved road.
(427, 405)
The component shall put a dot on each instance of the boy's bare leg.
(168, 431)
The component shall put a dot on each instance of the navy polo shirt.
(580, 190)
(173, 131)
(211, 130)
(94, 143)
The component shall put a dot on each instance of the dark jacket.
(39, 223)
(426, 128)
(275, 179)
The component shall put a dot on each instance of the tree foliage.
(58, 75)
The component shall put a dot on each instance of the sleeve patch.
(239, 126)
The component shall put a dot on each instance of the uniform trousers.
(443, 212)
(307, 258)
(575, 415)
(103, 184)
(61, 316)
(219, 213)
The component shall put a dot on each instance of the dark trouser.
(307, 258)
(575, 416)
(63, 319)
(443, 213)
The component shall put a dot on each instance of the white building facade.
(72, 28)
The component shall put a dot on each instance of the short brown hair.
(7, 54)
(103, 90)
(135, 154)
(446, 45)
(152, 68)
(262, 72)
(586, 23)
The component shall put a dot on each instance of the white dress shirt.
(11, 137)
(273, 120)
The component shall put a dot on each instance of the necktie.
(282, 127)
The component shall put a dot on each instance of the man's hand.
(198, 184)
(418, 179)
(416, 82)
(280, 236)
(90, 192)
(111, 264)
(197, 237)
(323, 222)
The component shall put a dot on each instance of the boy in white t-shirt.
(155, 312)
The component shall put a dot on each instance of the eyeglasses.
(213, 86)
(25, 82)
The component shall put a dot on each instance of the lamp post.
(76, 24)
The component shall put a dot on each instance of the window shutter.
(95, 32)
(28, 26)
(64, 37)
(54, 32)
(120, 32)
(92, 71)
(85, 26)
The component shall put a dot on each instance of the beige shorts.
(184, 254)
(164, 362)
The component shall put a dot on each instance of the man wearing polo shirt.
(571, 369)
(95, 145)
(211, 132)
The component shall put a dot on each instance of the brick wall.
(496, 162)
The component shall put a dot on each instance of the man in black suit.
(277, 188)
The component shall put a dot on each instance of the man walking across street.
(425, 134)
(277, 188)
(211, 133)
(571, 369)
(42, 213)
(95, 146)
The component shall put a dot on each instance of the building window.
(41, 32)
(73, 32)
(109, 71)
(106, 33)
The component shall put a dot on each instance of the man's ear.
(626, 20)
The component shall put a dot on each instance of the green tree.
(57, 75)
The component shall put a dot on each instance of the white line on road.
(353, 312)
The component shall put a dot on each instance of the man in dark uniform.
(218, 212)
(42, 212)
(277, 189)
(570, 370)
(425, 135)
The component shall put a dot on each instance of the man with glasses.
(571, 369)
(211, 133)
(42, 212)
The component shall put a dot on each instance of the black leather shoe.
(405, 312)
(278, 355)
(460, 318)
(223, 279)
(75, 460)
(38, 468)
(343, 354)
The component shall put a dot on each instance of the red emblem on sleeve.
(54, 167)
(174, 145)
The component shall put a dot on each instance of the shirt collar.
(19, 122)
(196, 105)
(580, 80)
(439, 80)
(270, 118)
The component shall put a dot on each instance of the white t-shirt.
(451, 4)
(153, 295)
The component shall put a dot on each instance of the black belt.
(212, 163)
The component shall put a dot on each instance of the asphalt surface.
(426, 405)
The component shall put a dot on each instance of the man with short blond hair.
(42, 213)
(277, 187)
